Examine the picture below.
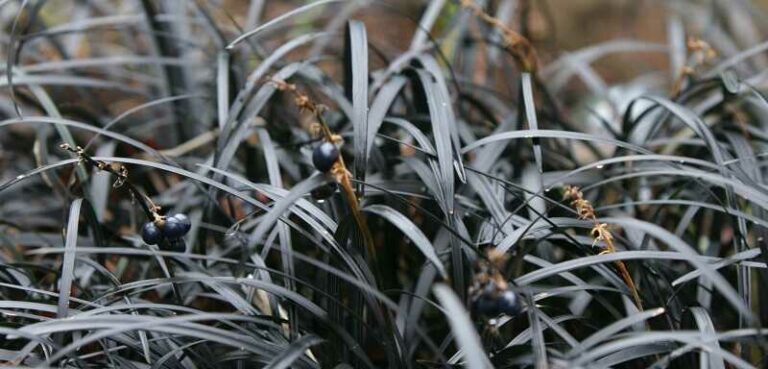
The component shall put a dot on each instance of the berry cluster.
(490, 293)
(167, 231)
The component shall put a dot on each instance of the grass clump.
(334, 184)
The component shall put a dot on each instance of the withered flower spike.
(302, 101)
(519, 46)
(497, 258)
(337, 139)
(600, 232)
(339, 170)
(120, 171)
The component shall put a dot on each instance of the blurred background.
(556, 27)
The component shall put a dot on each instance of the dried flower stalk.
(519, 46)
(121, 172)
(702, 53)
(339, 171)
(601, 232)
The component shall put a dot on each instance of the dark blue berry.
(151, 234)
(325, 156)
(184, 220)
(509, 303)
(173, 228)
(485, 305)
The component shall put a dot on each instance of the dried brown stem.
(339, 170)
(600, 232)
(121, 172)
(702, 53)
(517, 45)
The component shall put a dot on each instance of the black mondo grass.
(348, 184)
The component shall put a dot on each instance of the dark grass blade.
(381, 104)
(68, 264)
(411, 231)
(538, 345)
(614, 328)
(286, 245)
(282, 205)
(467, 339)
(694, 259)
(65, 122)
(222, 87)
(428, 19)
(272, 22)
(443, 95)
(438, 105)
(654, 338)
(530, 115)
(290, 355)
(549, 134)
(174, 79)
(356, 91)
(101, 183)
(707, 328)
(739, 258)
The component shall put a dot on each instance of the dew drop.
(320, 201)
(20, 177)
(600, 166)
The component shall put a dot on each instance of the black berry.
(508, 303)
(485, 305)
(184, 220)
(174, 228)
(325, 156)
(492, 300)
(151, 234)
